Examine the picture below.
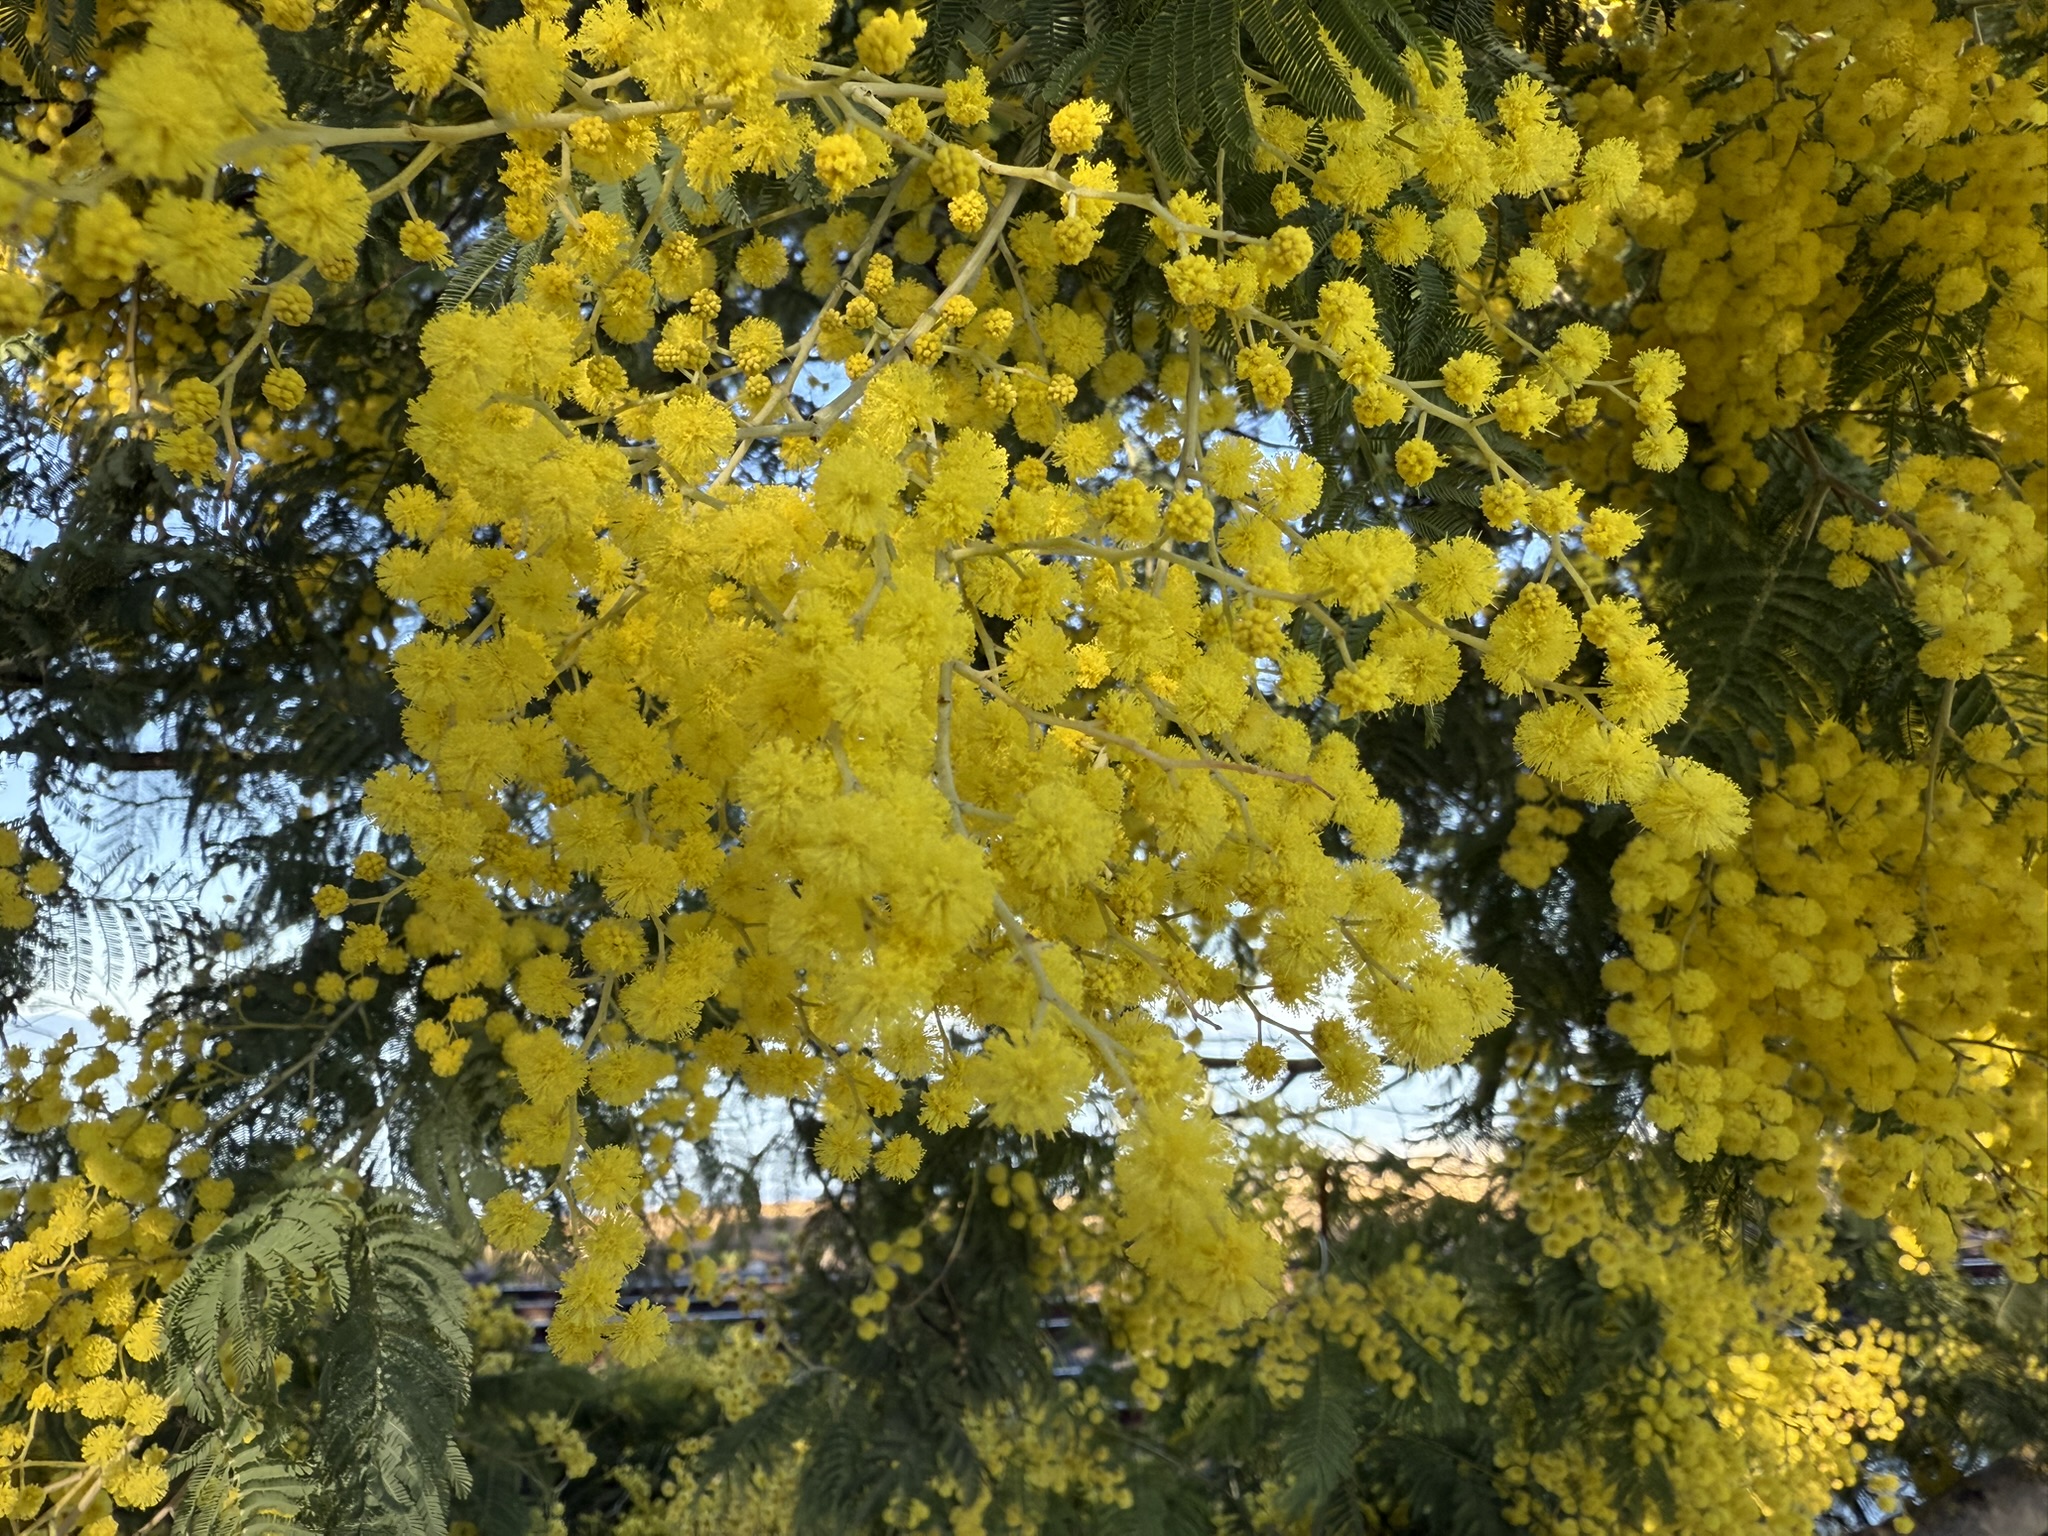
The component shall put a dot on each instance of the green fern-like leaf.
(1291, 43)
(17, 20)
(71, 31)
(235, 1486)
(1360, 30)
(1745, 600)
(839, 1490)
(1100, 65)
(792, 1412)
(1320, 1437)
(378, 1295)
(246, 1287)
(485, 259)
(444, 1150)
(396, 1377)
(1216, 88)
(1152, 87)
(945, 23)
(1055, 28)
(2020, 695)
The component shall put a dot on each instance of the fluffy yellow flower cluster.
(21, 885)
(79, 1291)
(1408, 1311)
(1756, 1389)
(879, 667)
(916, 779)
(1536, 840)
(1816, 111)
(1870, 954)
(1972, 548)
(1833, 994)
(1048, 1444)
(1807, 218)
(688, 1499)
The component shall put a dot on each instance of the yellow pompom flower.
(1458, 577)
(1610, 533)
(900, 1157)
(1032, 1082)
(291, 304)
(1459, 239)
(144, 1339)
(1077, 127)
(191, 452)
(107, 240)
(1262, 1063)
(546, 985)
(1524, 409)
(1417, 460)
(284, 388)
(608, 1177)
(843, 1149)
(203, 251)
(423, 242)
(1531, 276)
(1403, 236)
(160, 118)
(521, 66)
(317, 206)
(755, 344)
(512, 1223)
(1656, 373)
(762, 261)
(194, 402)
(641, 1336)
(967, 100)
(694, 433)
(841, 164)
(1695, 808)
(200, 79)
(426, 51)
(1469, 378)
(887, 40)
(1661, 449)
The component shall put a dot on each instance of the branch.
(119, 760)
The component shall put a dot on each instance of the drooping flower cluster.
(1833, 994)
(80, 1292)
(1869, 954)
(24, 883)
(919, 778)
(1736, 1396)
(870, 660)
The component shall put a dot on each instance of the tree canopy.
(1044, 599)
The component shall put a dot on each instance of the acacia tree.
(1054, 593)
